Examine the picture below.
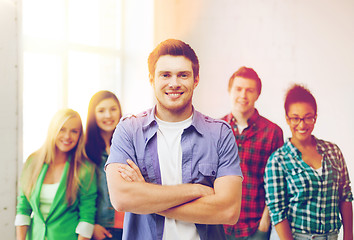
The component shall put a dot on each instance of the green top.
(62, 220)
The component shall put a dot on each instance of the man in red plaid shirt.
(257, 138)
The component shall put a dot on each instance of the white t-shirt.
(170, 159)
(319, 170)
(240, 128)
(46, 198)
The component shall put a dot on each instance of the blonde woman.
(58, 185)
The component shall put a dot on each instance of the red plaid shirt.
(256, 143)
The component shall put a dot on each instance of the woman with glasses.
(307, 184)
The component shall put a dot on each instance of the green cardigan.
(62, 219)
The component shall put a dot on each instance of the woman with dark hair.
(104, 113)
(58, 185)
(307, 184)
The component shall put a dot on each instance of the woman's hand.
(100, 232)
(130, 172)
(264, 223)
(82, 238)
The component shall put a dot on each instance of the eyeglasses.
(297, 120)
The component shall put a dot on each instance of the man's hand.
(221, 207)
(99, 232)
(141, 197)
(205, 190)
(130, 172)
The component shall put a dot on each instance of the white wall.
(9, 114)
(309, 42)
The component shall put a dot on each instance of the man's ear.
(196, 81)
(151, 79)
(258, 96)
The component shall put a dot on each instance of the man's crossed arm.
(187, 202)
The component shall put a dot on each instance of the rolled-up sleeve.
(22, 220)
(276, 190)
(85, 229)
(345, 191)
(229, 160)
(122, 147)
(23, 211)
(87, 201)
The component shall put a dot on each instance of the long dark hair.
(94, 143)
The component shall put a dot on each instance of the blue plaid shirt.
(296, 192)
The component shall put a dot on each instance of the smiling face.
(302, 131)
(173, 85)
(68, 135)
(107, 115)
(243, 94)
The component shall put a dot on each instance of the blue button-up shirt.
(105, 211)
(209, 151)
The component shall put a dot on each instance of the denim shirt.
(209, 151)
(105, 211)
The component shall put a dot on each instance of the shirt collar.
(197, 120)
(150, 117)
(320, 146)
(288, 144)
(291, 148)
(252, 120)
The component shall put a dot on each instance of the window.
(72, 49)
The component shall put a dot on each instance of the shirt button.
(213, 172)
